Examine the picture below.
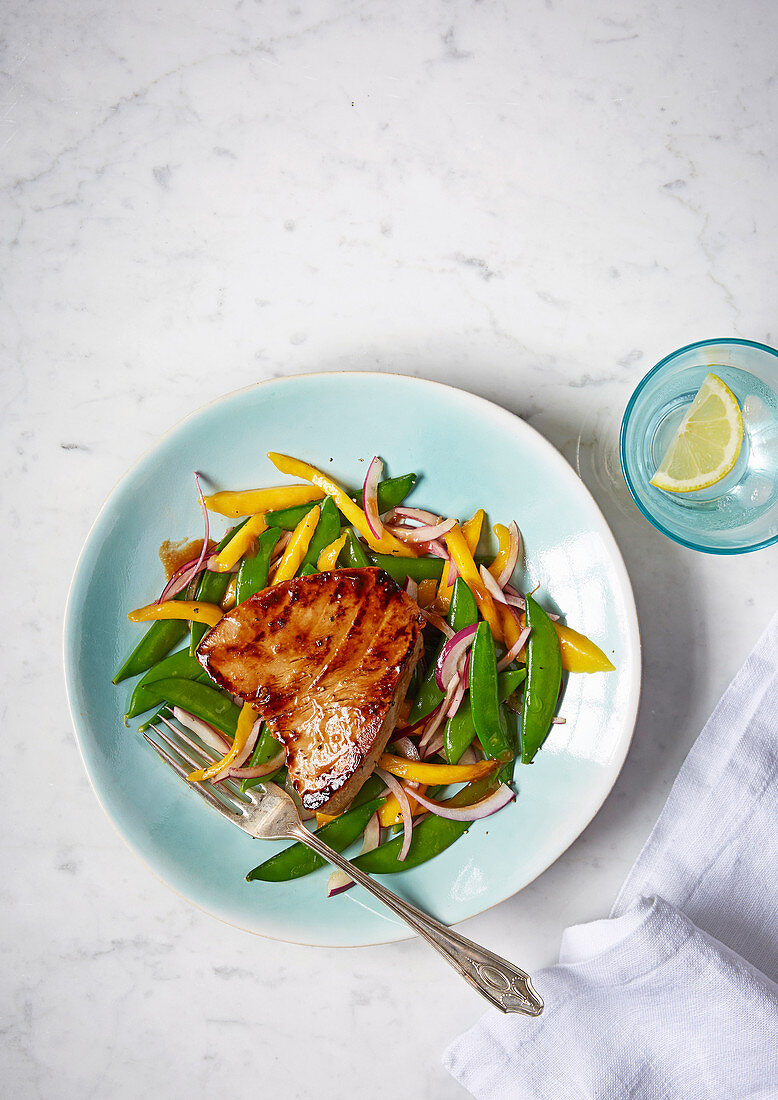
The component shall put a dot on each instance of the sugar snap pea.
(418, 569)
(254, 569)
(463, 610)
(327, 530)
(180, 665)
(489, 721)
(505, 773)
(544, 677)
(206, 702)
(460, 729)
(391, 492)
(162, 636)
(356, 558)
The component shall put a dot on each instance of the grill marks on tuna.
(326, 660)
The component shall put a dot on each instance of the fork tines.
(183, 751)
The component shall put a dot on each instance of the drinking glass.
(740, 512)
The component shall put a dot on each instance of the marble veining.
(532, 202)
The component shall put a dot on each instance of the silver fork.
(268, 813)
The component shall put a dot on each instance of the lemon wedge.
(707, 443)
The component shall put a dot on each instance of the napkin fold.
(675, 995)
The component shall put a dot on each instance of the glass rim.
(728, 550)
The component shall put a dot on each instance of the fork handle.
(500, 982)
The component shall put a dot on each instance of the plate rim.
(512, 421)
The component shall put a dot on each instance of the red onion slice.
(424, 534)
(370, 497)
(434, 619)
(338, 883)
(260, 769)
(438, 550)
(412, 588)
(411, 729)
(280, 546)
(206, 523)
(435, 745)
(463, 667)
(515, 650)
(192, 586)
(372, 834)
(189, 570)
(513, 555)
(456, 702)
(484, 808)
(179, 580)
(207, 733)
(418, 514)
(371, 838)
(435, 720)
(398, 791)
(492, 586)
(403, 746)
(446, 664)
(558, 721)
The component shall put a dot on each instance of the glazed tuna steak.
(326, 660)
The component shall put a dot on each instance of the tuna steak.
(326, 659)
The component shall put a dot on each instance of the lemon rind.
(691, 485)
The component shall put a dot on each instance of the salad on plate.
(378, 660)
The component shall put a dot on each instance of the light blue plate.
(471, 454)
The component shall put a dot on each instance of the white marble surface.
(533, 201)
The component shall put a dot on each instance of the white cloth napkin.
(674, 996)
